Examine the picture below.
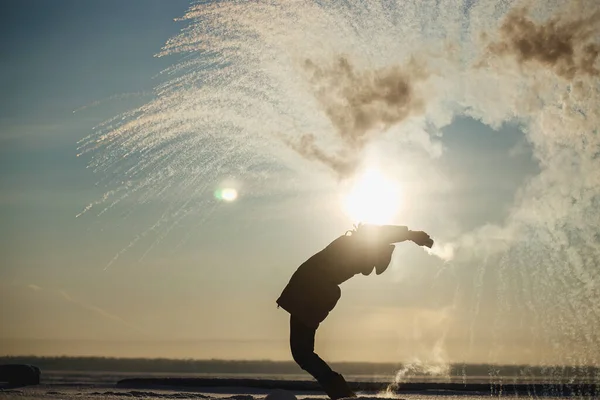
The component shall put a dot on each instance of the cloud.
(563, 44)
(343, 162)
(444, 251)
(360, 104)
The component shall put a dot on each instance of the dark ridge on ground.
(431, 388)
(266, 367)
(159, 395)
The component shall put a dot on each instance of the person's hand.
(421, 238)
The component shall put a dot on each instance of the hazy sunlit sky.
(174, 272)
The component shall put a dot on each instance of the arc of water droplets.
(241, 86)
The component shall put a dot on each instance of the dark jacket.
(313, 290)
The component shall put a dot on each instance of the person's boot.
(337, 387)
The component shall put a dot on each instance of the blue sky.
(60, 58)
(68, 66)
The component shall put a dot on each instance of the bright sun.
(373, 199)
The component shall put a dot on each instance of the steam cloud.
(360, 106)
(562, 44)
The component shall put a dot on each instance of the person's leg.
(302, 344)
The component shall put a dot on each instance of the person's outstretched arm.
(368, 247)
(390, 234)
(380, 239)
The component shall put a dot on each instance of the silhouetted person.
(313, 291)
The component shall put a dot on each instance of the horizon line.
(224, 360)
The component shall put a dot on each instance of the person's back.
(313, 290)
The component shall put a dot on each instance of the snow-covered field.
(66, 385)
(110, 391)
(47, 392)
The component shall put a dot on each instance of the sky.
(119, 123)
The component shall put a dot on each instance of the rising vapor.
(360, 105)
(567, 44)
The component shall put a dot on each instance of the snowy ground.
(48, 392)
(67, 385)
(67, 392)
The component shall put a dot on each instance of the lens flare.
(373, 199)
(226, 194)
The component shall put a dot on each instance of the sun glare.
(373, 199)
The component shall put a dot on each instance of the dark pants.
(302, 343)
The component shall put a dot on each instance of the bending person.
(313, 291)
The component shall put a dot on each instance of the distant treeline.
(267, 367)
